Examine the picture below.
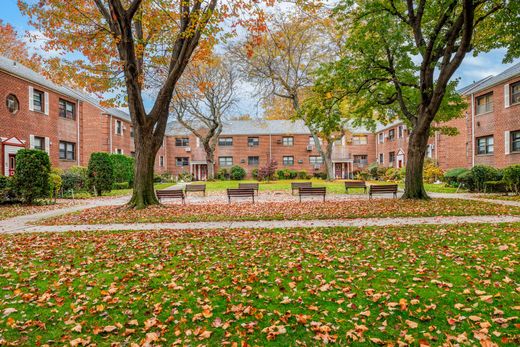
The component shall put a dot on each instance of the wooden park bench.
(382, 189)
(170, 194)
(297, 185)
(253, 186)
(195, 188)
(240, 193)
(312, 191)
(355, 184)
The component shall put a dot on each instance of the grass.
(428, 285)
(284, 210)
(500, 197)
(117, 192)
(333, 187)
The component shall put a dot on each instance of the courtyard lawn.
(117, 192)
(500, 197)
(284, 210)
(419, 285)
(9, 211)
(438, 188)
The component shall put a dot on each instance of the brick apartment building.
(65, 123)
(70, 126)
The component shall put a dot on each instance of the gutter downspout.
(472, 130)
(110, 136)
(78, 134)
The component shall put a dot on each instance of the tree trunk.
(414, 186)
(210, 158)
(328, 161)
(144, 192)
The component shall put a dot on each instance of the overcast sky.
(472, 69)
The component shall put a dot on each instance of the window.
(359, 140)
(225, 161)
(253, 160)
(485, 145)
(12, 103)
(315, 160)
(182, 161)
(161, 161)
(515, 141)
(288, 160)
(381, 137)
(391, 134)
(182, 142)
(288, 141)
(132, 135)
(67, 150)
(400, 131)
(132, 154)
(38, 101)
(381, 158)
(391, 157)
(484, 104)
(253, 141)
(39, 143)
(515, 93)
(361, 159)
(67, 109)
(119, 151)
(225, 141)
(119, 127)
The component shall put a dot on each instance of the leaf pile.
(284, 211)
(421, 285)
(10, 211)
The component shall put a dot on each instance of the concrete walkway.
(358, 222)
(23, 223)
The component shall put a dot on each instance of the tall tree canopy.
(401, 55)
(123, 43)
(13, 47)
(203, 98)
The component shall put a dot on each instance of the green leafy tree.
(100, 173)
(31, 178)
(400, 57)
(512, 177)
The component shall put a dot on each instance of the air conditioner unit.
(188, 149)
(317, 167)
(309, 148)
(279, 142)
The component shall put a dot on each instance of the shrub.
(254, 173)
(392, 174)
(512, 177)
(74, 179)
(185, 176)
(157, 178)
(467, 180)
(123, 168)
(120, 185)
(167, 177)
(495, 187)
(6, 189)
(362, 175)
(237, 173)
(31, 178)
(483, 173)
(320, 175)
(223, 174)
(450, 176)
(432, 173)
(55, 183)
(303, 175)
(100, 173)
(266, 173)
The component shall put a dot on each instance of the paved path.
(358, 222)
(22, 223)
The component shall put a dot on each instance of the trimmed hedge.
(31, 178)
(123, 168)
(237, 173)
(512, 178)
(484, 173)
(451, 176)
(100, 173)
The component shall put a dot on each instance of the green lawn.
(500, 197)
(333, 187)
(120, 192)
(428, 285)
(283, 210)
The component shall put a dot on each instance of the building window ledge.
(485, 155)
(484, 113)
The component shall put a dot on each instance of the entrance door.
(203, 172)
(12, 164)
(338, 169)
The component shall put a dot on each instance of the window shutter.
(506, 95)
(507, 142)
(46, 97)
(31, 97)
(47, 145)
(31, 141)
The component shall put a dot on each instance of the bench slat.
(170, 194)
(298, 185)
(355, 184)
(240, 192)
(312, 191)
(195, 188)
(382, 189)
